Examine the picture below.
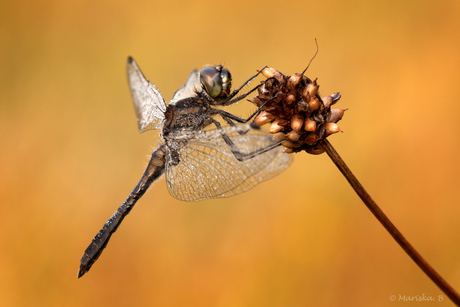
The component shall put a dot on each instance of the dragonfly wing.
(149, 104)
(189, 89)
(209, 169)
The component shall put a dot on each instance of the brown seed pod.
(311, 139)
(311, 88)
(292, 144)
(336, 115)
(306, 96)
(269, 72)
(314, 104)
(263, 118)
(297, 122)
(332, 128)
(293, 135)
(335, 98)
(316, 150)
(277, 125)
(310, 125)
(327, 101)
(279, 136)
(263, 93)
(290, 99)
(302, 106)
(279, 96)
(293, 81)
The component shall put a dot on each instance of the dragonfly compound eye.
(211, 81)
(216, 81)
(226, 81)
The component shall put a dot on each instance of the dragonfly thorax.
(187, 114)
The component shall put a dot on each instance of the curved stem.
(383, 219)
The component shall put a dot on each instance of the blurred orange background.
(71, 153)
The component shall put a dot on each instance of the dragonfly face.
(216, 82)
(198, 164)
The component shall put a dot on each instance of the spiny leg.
(240, 156)
(229, 117)
(229, 100)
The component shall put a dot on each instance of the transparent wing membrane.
(189, 89)
(209, 169)
(148, 101)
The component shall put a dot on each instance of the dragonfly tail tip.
(81, 272)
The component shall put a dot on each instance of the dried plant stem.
(378, 213)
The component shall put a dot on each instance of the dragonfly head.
(216, 82)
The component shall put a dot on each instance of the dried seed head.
(299, 117)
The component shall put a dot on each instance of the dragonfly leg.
(241, 156)
(229, 117)
(229, 100)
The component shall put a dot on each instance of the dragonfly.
(200, 157)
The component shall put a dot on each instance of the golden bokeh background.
(71, 153)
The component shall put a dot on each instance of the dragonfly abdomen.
(155, 169)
